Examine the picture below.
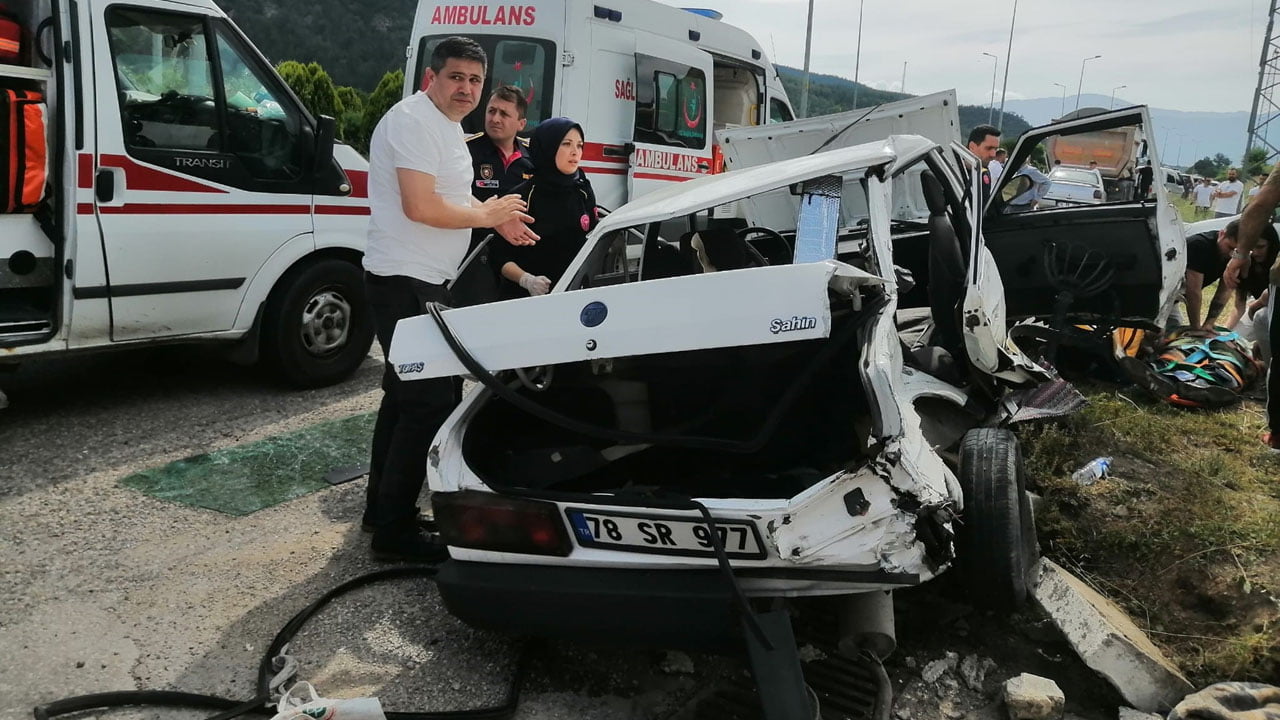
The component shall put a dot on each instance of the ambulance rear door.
(673, 110)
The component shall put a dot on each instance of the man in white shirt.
(1226, 199)
(1029, 199)
(422, 213)
(1204, 197)
(996, 166)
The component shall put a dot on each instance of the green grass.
(1186, 535)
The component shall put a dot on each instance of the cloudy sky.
(1144, 45)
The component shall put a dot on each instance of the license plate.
(664, 535)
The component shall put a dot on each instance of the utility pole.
(1265, 107)
(857, 54)
(1008, 58)
(808, 43)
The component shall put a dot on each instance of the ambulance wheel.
(317, 327)
(996, 550)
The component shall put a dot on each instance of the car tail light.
(717, 160)
(485, 521)
(1097, 194)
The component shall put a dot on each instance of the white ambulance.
(190, 196)
(649, 83)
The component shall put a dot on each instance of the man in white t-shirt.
(1204, 197)
(422, 213)
(1226, 199)
(996, 166)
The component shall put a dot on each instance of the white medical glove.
(535, 284)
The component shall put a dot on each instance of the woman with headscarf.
(563, 207)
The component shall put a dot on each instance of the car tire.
(997, 553)
(317, 327)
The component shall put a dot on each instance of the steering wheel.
(781, 258)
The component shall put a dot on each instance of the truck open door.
(672, 133)
(1117, 263)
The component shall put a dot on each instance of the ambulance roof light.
(706, 12)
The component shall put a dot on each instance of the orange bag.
(23, 150)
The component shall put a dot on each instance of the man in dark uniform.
(984, 140)
(500, 158)
(500, 161)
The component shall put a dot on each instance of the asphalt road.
(103, 588)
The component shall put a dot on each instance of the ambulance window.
(522, 63)
(263, 127)
(671, 103)
(164, 80)
(778, 111)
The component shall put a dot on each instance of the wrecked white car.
(786, 380)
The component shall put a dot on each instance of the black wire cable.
(258, 705)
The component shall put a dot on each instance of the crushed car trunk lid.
(756, 306)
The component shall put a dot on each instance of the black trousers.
(1273, 373)
(411, 412)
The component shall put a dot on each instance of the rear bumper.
(691, 609)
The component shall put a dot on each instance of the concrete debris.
(676, 663)
(939, 667)
(1031, 697)
(1108, 641)
(1131, 714)
(974, 669)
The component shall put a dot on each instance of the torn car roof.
(706, 192)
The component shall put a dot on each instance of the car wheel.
(317, 326)
(996, 539)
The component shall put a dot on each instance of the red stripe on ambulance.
(483, 15)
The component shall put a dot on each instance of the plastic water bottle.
(1096, 469)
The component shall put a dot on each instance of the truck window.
(165, 80)
(523, 62)
(671, 103)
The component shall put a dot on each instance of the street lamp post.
(1164, 142)
(995, 65)
(1178, 162)
(1062, 107)
(1008, 57)
(857, 55)
(808, 43)
(1081, 85)
(1113, 94)
(903, 89)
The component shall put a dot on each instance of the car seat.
(946, 268)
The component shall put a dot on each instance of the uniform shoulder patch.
(473, 136)
(522, 140)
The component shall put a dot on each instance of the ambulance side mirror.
(326, 131)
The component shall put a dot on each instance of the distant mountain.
(1204, 133)
(831, 94)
